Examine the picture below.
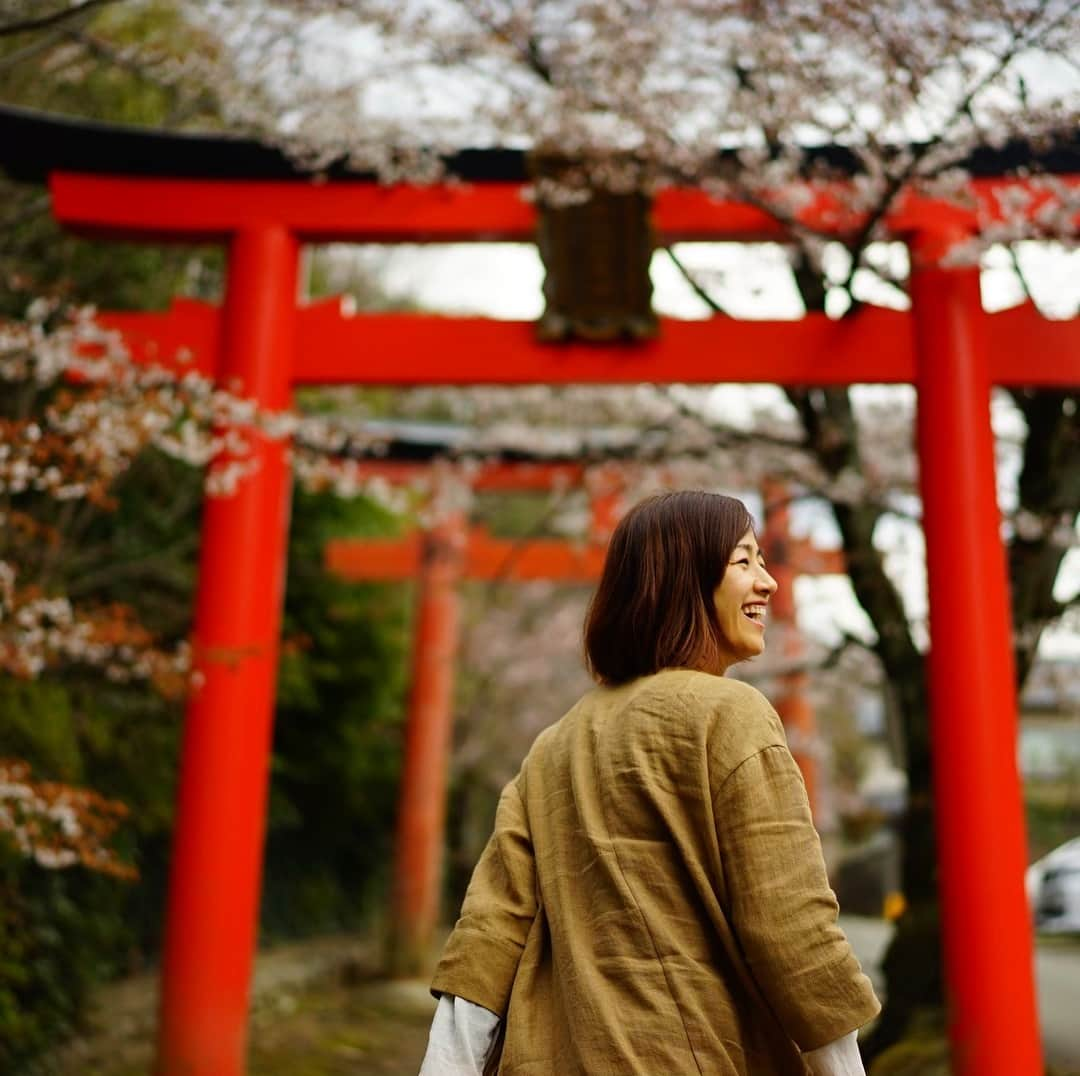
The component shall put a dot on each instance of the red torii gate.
(439, 557)
(947, 346)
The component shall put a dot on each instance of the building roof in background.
(1053, 686)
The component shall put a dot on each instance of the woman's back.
(668, 908)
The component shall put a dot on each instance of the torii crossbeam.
(119, 182)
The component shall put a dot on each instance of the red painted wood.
(416, 349)
(339, 212)
(213, 894)
(555, 559)
(461, 212)
(1023, 348)
(792, 695)
(979, 809)
(520, 476)
(183, 339)
(875, 346)
(484, 558)
(422, 802)
(224, 772)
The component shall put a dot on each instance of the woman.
(653, 901)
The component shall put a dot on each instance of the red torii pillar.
(944, 346)
(421, 821)
(982, 852)
(224, 769)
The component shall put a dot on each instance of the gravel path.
(317, 1012)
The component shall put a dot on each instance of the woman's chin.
(754, 649)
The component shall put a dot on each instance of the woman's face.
(741, 600)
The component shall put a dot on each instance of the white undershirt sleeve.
(838, 1058)
(461, 1037)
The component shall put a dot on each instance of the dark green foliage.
(1051, 819)
(82, 69)
(337, 746)
(334, 769)
(337, 730)
(58, 932)
(64, 931)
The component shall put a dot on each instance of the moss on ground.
(339, 1024)
(371, 1029)
(927, 1054)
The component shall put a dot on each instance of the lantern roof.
(411, 441)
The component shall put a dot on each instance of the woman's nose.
(766, 582)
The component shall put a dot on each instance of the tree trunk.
(912, 965)
(1049, 492)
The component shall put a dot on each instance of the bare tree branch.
(41, 44)
(829, 660)
(695, 285)
(899, 180)
(42, 22)
(529, 52)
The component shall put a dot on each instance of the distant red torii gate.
(439, 556)
(946, 346)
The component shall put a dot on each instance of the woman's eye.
(744, 561)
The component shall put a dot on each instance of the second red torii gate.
(946, 346)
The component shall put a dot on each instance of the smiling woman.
(655, 607)
(741, 601)
(653, 898)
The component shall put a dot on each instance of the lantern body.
(596, 244)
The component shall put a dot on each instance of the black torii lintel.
(34, 144)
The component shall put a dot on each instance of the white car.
(1053, 889)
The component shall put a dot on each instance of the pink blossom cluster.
(57, 825)
(39, 631)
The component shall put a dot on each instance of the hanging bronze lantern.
(596, 245)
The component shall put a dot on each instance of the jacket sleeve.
(482, 954)
(783, 912)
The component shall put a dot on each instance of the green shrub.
(334, 769)
(57, 931)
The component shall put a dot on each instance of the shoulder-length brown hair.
(654, 607)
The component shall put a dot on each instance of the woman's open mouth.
(756, 613)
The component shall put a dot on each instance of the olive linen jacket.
(653, 900)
